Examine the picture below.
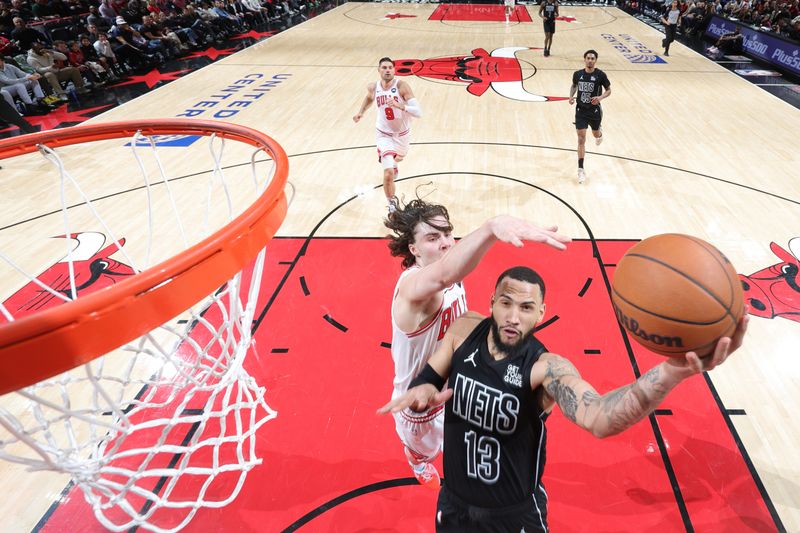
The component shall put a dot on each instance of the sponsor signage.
(761, 45)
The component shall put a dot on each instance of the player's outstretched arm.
(366, 103)
(418, 399)
(621, 408)
(462, 258)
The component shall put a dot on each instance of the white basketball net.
(166, 424)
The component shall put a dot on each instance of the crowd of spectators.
(51, 50)
(781, 17)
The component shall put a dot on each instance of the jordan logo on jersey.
(471, 359)
(513, 376)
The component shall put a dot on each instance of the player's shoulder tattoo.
(557, 366)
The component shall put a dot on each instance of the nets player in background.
(592, 85)
(427, 299)
(548, 11)
(396, 105)
(503, 385)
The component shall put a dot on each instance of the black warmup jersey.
(549, 11)
(589, 86)
(494, 430)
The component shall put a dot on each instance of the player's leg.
(546, 40)
(670, 36)
(597, 130)
(422, 435)
(580, 127)
(549, 28)
(581, 146)
(399, 148)
(389, 170)
(387, 154)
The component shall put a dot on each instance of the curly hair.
(404, 221)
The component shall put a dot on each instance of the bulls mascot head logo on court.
(775, 290)
(500, 70)
(93, 270)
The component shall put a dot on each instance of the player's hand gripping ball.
(675, 294)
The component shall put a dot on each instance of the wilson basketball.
(676, 294)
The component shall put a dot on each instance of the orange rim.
(45, 344)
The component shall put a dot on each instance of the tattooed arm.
(610, 413)
(619, 409)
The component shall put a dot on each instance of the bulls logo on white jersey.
(411, 351)
(391, 120)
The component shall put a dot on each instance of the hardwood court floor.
(688, 148)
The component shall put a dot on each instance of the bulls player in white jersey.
(396, 105)
(428, 297)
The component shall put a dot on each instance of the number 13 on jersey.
(483, 457)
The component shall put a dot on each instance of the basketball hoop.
(138, 390)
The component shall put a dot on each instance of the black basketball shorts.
(583, 121)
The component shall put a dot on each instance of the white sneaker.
(598, 140)
(581, 175)
(393, 204)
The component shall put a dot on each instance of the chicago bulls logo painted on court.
(93, 270)
(775, 291)
(500, 70)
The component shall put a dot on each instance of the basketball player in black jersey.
(589, 83)
(548, 11)
(503, 383)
